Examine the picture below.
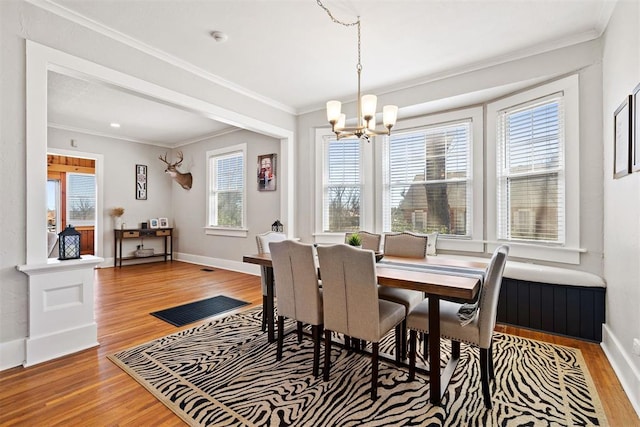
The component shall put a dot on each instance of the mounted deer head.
(184, 179)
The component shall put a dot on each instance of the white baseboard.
(226, 264)
(623, 366)
(60, 343)
(12, 354)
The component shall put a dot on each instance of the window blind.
(81, 199)
(531, 202)
(227, 189)
(342, 186)
(429, 176)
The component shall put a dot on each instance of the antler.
(165, 158)
(179, 162)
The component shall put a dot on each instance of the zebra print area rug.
(225, 373)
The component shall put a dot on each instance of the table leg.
(268, 310)
(434, 349)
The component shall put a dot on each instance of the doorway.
(71, 200)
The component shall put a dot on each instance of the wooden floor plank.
(87, 389)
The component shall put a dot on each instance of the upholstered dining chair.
(369, 240)
(406, 245)
(263, 240)
(478, 332)
(299, 296)
(351, 303)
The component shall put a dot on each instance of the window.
(429, 176)
(81, 199)
(530, 171)
(342, 184)
(533, 154)
(227, 199)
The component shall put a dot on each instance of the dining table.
(436, 278)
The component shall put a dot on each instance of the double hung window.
(227, 199)
(341, 184)
(530, 171)
(429, 176)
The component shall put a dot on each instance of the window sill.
(229, 232)
(530, 251)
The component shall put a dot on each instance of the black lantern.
(277, 226)
(69, 242)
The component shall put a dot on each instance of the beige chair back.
(369, 240)
(350, 291)
(488, 303)
(297, 287)
(405, 244)
(263, 240)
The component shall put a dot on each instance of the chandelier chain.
(346, 24)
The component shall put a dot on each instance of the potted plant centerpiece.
(355, 240)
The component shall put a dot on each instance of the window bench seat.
(550, 299)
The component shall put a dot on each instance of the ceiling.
(275, 48)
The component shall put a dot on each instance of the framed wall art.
(622, 120)
(164, 222)
(141, 182)
(635, 153)
(267, 172)
(153, 223)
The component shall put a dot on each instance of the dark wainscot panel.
(575, 311)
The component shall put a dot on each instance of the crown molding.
(134, 43)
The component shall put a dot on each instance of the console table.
(140, 233)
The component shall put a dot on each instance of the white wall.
(189, 207)
(621, 73)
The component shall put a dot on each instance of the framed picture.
(153, 223)
(622, 119)
(164, 222)
(141, 182)
(267, 172)
(635, 164)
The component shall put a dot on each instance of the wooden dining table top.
(432, 283)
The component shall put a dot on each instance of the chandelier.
(365, 126)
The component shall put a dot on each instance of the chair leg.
(413, 345)
(374, 370)
(484, 377)
(280, 337)
(264, 315)
(299, 329)
(316, 331)
(400, 330)
(425, 345)
(327, 354)
(492, 375)
(403, 340)
(455, 349)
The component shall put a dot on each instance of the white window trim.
(367, 174)
(476, 243)
(569, 252)
(227, 231)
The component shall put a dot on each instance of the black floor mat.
(187, 313)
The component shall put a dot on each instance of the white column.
(61, 309)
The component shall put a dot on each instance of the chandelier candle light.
(366, 105)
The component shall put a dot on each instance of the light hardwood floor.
(86, 389)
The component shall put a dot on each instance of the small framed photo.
(267, 172)
(164, 222)
(622, 121)
(635, 166)
(141, 182)
(153, 223)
